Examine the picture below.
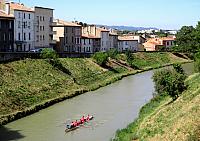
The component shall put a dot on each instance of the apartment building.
(105, 39)
(6, 32)
(113, 41)
(68, 36)
(23, 27)
(90, 31)
(127, 43)
(42, 27)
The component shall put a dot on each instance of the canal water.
(113, 106)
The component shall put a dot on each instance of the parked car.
(38, 50)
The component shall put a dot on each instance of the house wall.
(128, 45)
(43, 31)
(6, 35)
(113, 42)
(24, 30)
(86, 45)
(105, 41)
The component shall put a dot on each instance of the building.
(140, 40)
(23, 27)
(6, 32)
(113, 41)
(42, 27)
(154, 44)
(68, 36)
(105, 39)
(91, 32)
(127, 43)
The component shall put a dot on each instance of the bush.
(170, 82)
(101, 58)
(113, 53)
(197, 61)
(129, 57)
(48, 53)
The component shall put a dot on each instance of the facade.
(105, 39)
(6, 32)
(42, 27)
(68, 36)
(23, 27)
(91, 32)
(155, 44)
(127, 43)
(90, 44)
(141, 40)
(113, 41)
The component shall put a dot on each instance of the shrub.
(169, 82)
(48, 53)
(113, 53)
(197, 61)
(101, 58)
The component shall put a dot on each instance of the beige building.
(67, 37)
(127, 43)
(43, 29)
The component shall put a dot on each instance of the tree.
(170, 82)
(101, 58)
(113, 53)
(197, 61)
(185, 39)
(48, 53)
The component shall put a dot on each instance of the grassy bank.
(29, 85)
(162, 119)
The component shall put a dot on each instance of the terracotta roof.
(90, 36)
(126, 38)
(4, 15)
(65, 23)
(167, 39)
(20, 7)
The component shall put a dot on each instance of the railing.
(12, 56)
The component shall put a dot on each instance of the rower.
(88, 118)
(83, 119)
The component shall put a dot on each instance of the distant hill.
(130, 28)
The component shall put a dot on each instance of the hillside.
(162, 119)
(30, 85)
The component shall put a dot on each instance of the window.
(29, 36)
(40, 18)
(37, 40)
(72, 30)
(89, 41)
(43, 28)
(40, 37)
(51, 19)
(72, 39)
(29, 16)
(84, 41)
(19, 15)
(10, 24)
(24, 36)
(24, 16)
(29, 46)
(19, 24)
(167, 43)
(43, 37)
(19, 36)
(43, 18)
(40, 28)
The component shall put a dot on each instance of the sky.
(164, 14)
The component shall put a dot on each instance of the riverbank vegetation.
(164, 118)
(27, 83)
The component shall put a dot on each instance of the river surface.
(113, 106)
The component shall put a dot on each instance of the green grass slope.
(162, 119)
(26, 83)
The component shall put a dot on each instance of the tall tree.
(185, 39)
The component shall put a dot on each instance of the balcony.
(52, 41)
(52, 32)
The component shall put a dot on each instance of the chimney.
(7, 8)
